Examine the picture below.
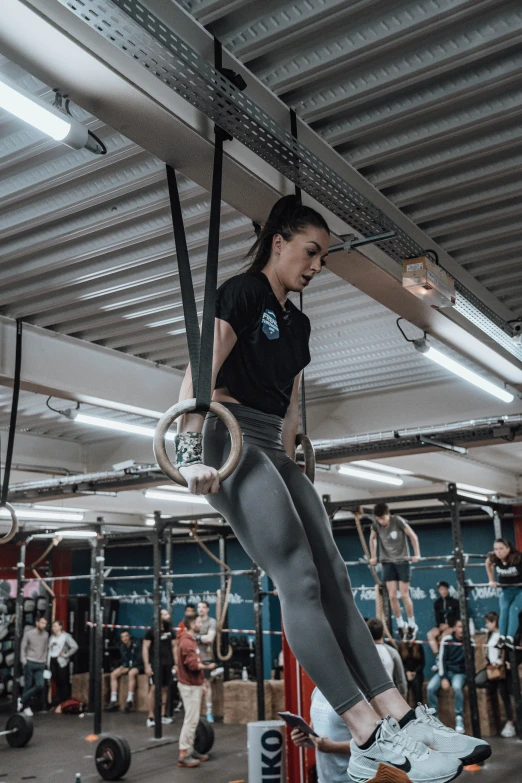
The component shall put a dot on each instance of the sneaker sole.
(188, 766)
(388, 774)
(481, 753)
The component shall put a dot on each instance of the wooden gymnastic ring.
(14, 525)
(309, 454)
(170, 416)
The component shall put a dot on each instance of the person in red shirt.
(190, 670)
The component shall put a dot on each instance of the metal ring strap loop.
(309, 454)
(170, 416)
(14, 525)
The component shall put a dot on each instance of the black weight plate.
(24, 730)
(204, 738)
(113, 757)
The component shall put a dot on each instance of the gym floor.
(58, 750)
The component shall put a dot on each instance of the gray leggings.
(282, 525)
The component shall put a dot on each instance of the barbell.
(113, 754)
(18, 730)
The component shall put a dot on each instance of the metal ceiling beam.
(61, 366)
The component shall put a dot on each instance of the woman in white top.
(61, 647)
(502, 686)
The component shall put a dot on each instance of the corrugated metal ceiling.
(420, 99)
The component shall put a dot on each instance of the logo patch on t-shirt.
(269, 325)
(393, 534)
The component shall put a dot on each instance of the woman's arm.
(490, 569)
(291, 420)
(224, 340)
(202, 479)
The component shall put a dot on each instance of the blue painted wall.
(190, 559)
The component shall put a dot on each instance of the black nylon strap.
(204, 382)
(185, 277)
(293, 129)
(14, 414)
(200, 347)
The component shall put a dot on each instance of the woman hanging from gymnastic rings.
(260, 350)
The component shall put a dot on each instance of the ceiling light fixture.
(177, 497)
(480, 490)
(365, 463)
(119, 426)
(473, 495)
(463, 372)
(347, 470)
(47, 118)
(54, 516)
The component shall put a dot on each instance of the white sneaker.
(395, 748)
(28, 711)
(508, 731)
(459, 724)
(166, 720)
(150, 723)
(19, 705)
(427, 728)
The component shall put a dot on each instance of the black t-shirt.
(509, 575)
(166, 656)
(271, 347)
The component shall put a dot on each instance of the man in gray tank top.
(392, 532)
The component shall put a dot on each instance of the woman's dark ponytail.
(287, 217)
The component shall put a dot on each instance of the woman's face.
(501, 550)
(491, 625)
(56, 628)
(300, 259)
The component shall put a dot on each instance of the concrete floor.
(58, 750)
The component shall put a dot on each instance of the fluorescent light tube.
(54, 516)
(471, 488)
(41, 115)
(366, 463)
(473, 495)
(458, 369)
(175, 496)
(347, 470)
(76, 533)
(119, 426)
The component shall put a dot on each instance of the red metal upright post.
(300, 765)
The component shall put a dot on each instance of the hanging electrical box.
(428, 281)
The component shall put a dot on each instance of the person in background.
(33, 655)
(190, 669)
(61, 648)
(451, 674)
(206, 636)
(393, 532)
(413, 661)
(391, 660)
(190, 611)
(131, 664)
(163, 678)
(501, 685)
(507, 561)
(447, 612)
(332, 746)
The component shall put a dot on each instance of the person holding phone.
(331, 741)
